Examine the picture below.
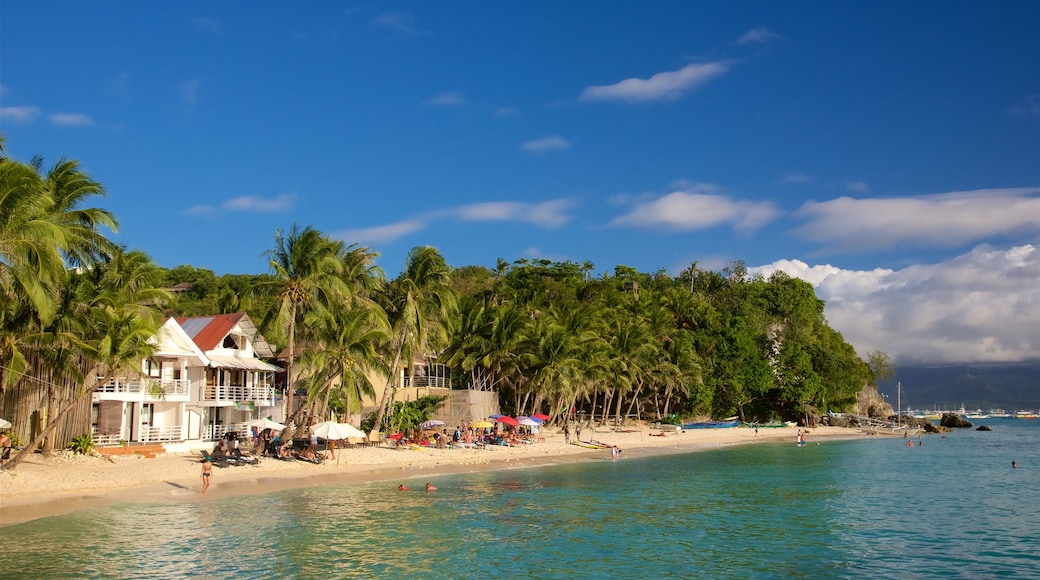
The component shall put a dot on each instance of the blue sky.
(888, 152)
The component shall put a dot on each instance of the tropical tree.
(307, 268)
(417, 303)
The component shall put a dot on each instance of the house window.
(212, 376)
(152, 368)
(147, 414)
(230, 342)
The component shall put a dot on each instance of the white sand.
(42, 487)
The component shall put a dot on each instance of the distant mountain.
(1006, 386)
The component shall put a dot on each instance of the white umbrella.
(265, 423)
(334, 431)
(4, 424)
(529, 421)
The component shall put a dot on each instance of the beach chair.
(243, 459)
(207, 456)
(225, 459)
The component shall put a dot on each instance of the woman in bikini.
(207, 473)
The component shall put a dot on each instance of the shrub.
(83, 445)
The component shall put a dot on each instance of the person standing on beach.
(5, 448)
(566, 434)
(207, 474)
(577, 431)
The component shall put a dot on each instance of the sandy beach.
(42, 487)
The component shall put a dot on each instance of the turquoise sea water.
(873, 508)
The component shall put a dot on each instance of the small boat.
(591, 444)
(711, 424)
(1026, 415)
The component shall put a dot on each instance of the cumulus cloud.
(758, 35)
(551, 143)
(942, 220)
(380, 234)
(698, 207)
(982, 306)
(664, 86)
(70, 120)
(23, 114)
(548, 214)
(282, 202)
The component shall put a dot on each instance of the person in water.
(429, 487)
(403, 487)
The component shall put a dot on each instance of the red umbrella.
(541, 416)
(508, 421)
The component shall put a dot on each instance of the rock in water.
(955, 421)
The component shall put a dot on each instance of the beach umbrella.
(431, 424)
(482, 424)
(508, 421)
(529, 422)
(497, 416)
(265, 423)
(540, 416)
(334, 431)
(4, 424)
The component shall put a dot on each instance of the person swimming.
(429, 487)
(403, 487)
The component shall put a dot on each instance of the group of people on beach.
(403, 487)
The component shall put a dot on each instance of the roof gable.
(208, 332)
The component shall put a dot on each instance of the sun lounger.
(243, 459)
(219, 462)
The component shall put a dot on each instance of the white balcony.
(144, 389)
(225, 395)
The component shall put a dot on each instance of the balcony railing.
(218, 431)
(170, 433)
(428, 381)
(236, 393)
(153, 388)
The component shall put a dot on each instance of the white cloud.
(282, 202)
(982, 306)
(796, 177)
(402, 22)
(941, 220)
(380, 234)
(1029, 107)
(758, 35)
(24, 114)
(857, 186)
(447, 100)
(660, 87)
(548, 214)
(698, 207)
(70, 120)
(551, 143)
(189, 90)
(206, 24)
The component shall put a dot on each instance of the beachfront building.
(205, 378)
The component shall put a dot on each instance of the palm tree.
(43, 229)
(343, 353)
(118, 343)
(307, 269)
(417, 304)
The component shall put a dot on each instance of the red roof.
(208, 332)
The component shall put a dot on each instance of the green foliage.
(82, 445)
(408, 415)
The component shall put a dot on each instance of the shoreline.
(44, 487)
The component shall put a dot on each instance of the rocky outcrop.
(930, 427)
(983, 428)
(954, 421)
(870, 403)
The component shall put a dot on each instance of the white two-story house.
(205, 378)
